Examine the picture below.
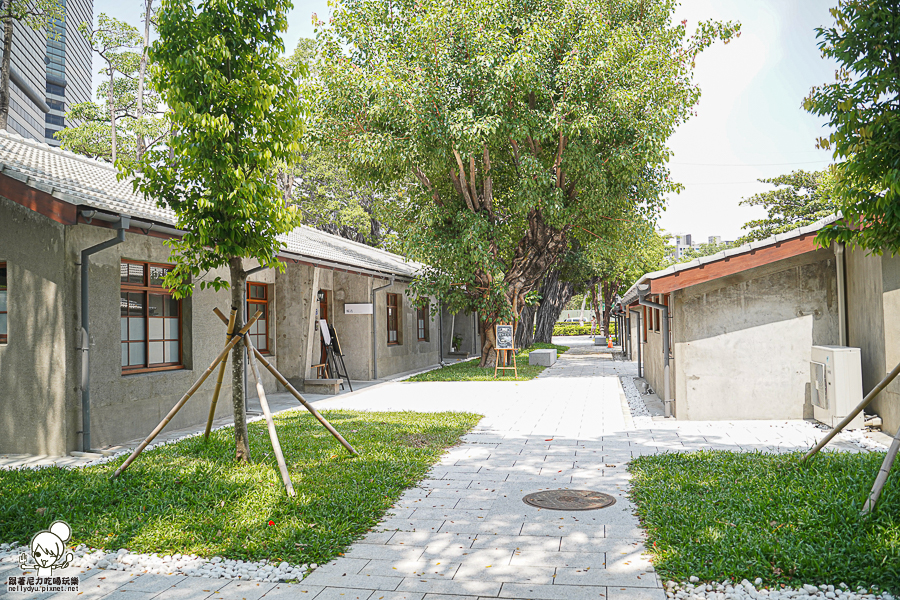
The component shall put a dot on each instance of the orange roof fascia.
(734, 264)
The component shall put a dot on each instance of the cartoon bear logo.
(48, 550)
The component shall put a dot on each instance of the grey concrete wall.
(354, 331)
(125, 407)
(654, 360)
(410, 354)
(294, 294)
(742, 342)
(873, 320)
(37, 377)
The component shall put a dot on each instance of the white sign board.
(323, 329)
(358, 309)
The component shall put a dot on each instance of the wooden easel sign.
(504, 344)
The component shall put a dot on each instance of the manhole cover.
(569, 499)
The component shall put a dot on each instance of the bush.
(576, 329)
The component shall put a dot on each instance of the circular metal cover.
(569, 499)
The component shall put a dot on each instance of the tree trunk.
(525, 331)
(555, 294)
(148, 4)
(488, 342)
(241, 438)
(595, 308)
(112, 109)
(4, 70)
(610, 289)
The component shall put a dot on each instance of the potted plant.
(455, 343)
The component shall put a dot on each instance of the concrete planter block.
(599, 341)
(329, 387)
(544, 358)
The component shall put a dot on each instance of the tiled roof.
(631, 295)
(91, 183)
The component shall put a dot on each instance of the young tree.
(35, 14)
(236, 116)
(520, 123)
(800, 198)
(142, 79)
(111, 40)
(864, 111)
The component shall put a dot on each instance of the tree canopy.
(863, 108)
(506, 128)
(800, 198)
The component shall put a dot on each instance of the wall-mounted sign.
(358, 309)
(504, 337)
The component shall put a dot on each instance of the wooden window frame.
(422, 321)
(146, 289)
(251, 311)
(393, 320)
(4, 337)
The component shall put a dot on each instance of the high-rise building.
(49, 74)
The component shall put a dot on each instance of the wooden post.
(882, 474)
(187, 396)
(869, 397)
(287, 385)
(224, 363)
(273, 434)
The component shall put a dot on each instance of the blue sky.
(749, 122)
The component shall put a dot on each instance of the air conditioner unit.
(836, 384)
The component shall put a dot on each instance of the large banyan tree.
(503, 129)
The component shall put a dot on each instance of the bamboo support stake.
(287, 385)
(273, 434)
(882, 475)
(869, 397)
(188, 395)
(223, 364)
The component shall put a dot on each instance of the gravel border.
(639, 413)
(727, 590)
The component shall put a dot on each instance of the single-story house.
(742, 324)
(66, 220)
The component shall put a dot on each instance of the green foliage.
(721, 515)
(504, 129)
(572, 329)
(470, 371)
(189, 498)
(864, 116)
(331, 201)
(801, 198)
(236, 115)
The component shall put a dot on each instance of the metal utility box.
(835, 384)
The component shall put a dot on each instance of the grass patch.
(470, 371)
(740, 515)
(191, 497)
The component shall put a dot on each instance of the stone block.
(544, 358)
(329, 387)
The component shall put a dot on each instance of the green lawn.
(724, 514)
(470, 371)
(192, 497)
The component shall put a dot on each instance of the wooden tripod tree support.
(212, 406)
(892, 451)
(273, 435)
(281, 379)
(223, 356)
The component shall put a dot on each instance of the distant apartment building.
(685, 242)
(49, 74)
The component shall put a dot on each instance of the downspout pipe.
(440, 331)
(639, 342)
(643, 290)
(122, 226)
(839, 257)
(375, 328)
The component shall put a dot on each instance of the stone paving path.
(465, 533)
